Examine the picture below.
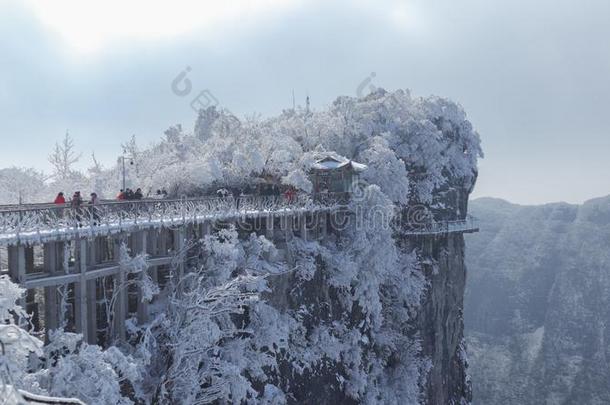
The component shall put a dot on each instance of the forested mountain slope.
(537, 308)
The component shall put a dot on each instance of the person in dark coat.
(77, 200)
(75, 204)
(138, 194)
(60, 199)
(93, 210)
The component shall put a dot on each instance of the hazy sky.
(533, 76)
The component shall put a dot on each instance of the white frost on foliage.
(9, 295)
(387, 170)
(429, 138)
(138, 264)
(86, 371)
(66, 367)
(273, 396)
(298, 179)
(18, 344)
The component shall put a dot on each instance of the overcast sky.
(533, 76)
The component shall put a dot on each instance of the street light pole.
(124, 169)
(123, 160)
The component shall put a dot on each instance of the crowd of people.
(77, 201)
(128, 194)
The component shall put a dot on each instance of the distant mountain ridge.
(537, 318)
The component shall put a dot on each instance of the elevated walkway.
(40, 223)
(468, 225)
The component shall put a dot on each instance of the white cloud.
(89, 26)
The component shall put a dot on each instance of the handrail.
(49, 222)
(47, 205)
(118, 214)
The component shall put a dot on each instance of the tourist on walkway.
(75, 204)
(290, 194)
(60, 199)
(77, 200)
(138, 194)
(94, 215)
(121, 195)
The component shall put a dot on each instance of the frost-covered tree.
(67, 367)
(63, 158)
(65, 177)
(22, 185)
(386, 169)
(74, 368)
(198, 335)
(429, 139)
(412, 145)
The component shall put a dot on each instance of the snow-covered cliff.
(365, 315)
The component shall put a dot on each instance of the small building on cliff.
(335, 174)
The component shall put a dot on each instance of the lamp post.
(124, 169)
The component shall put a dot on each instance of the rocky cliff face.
(440, 320)
(438, 325)
(537, 303)
(441, 317)
(415, 355)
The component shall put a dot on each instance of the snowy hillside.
(536, 307)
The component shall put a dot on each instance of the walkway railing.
(42, 222)
(47, 221)
(470, 224)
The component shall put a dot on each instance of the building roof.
(337, 162)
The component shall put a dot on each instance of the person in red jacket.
(290, 194)
(60, 199)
